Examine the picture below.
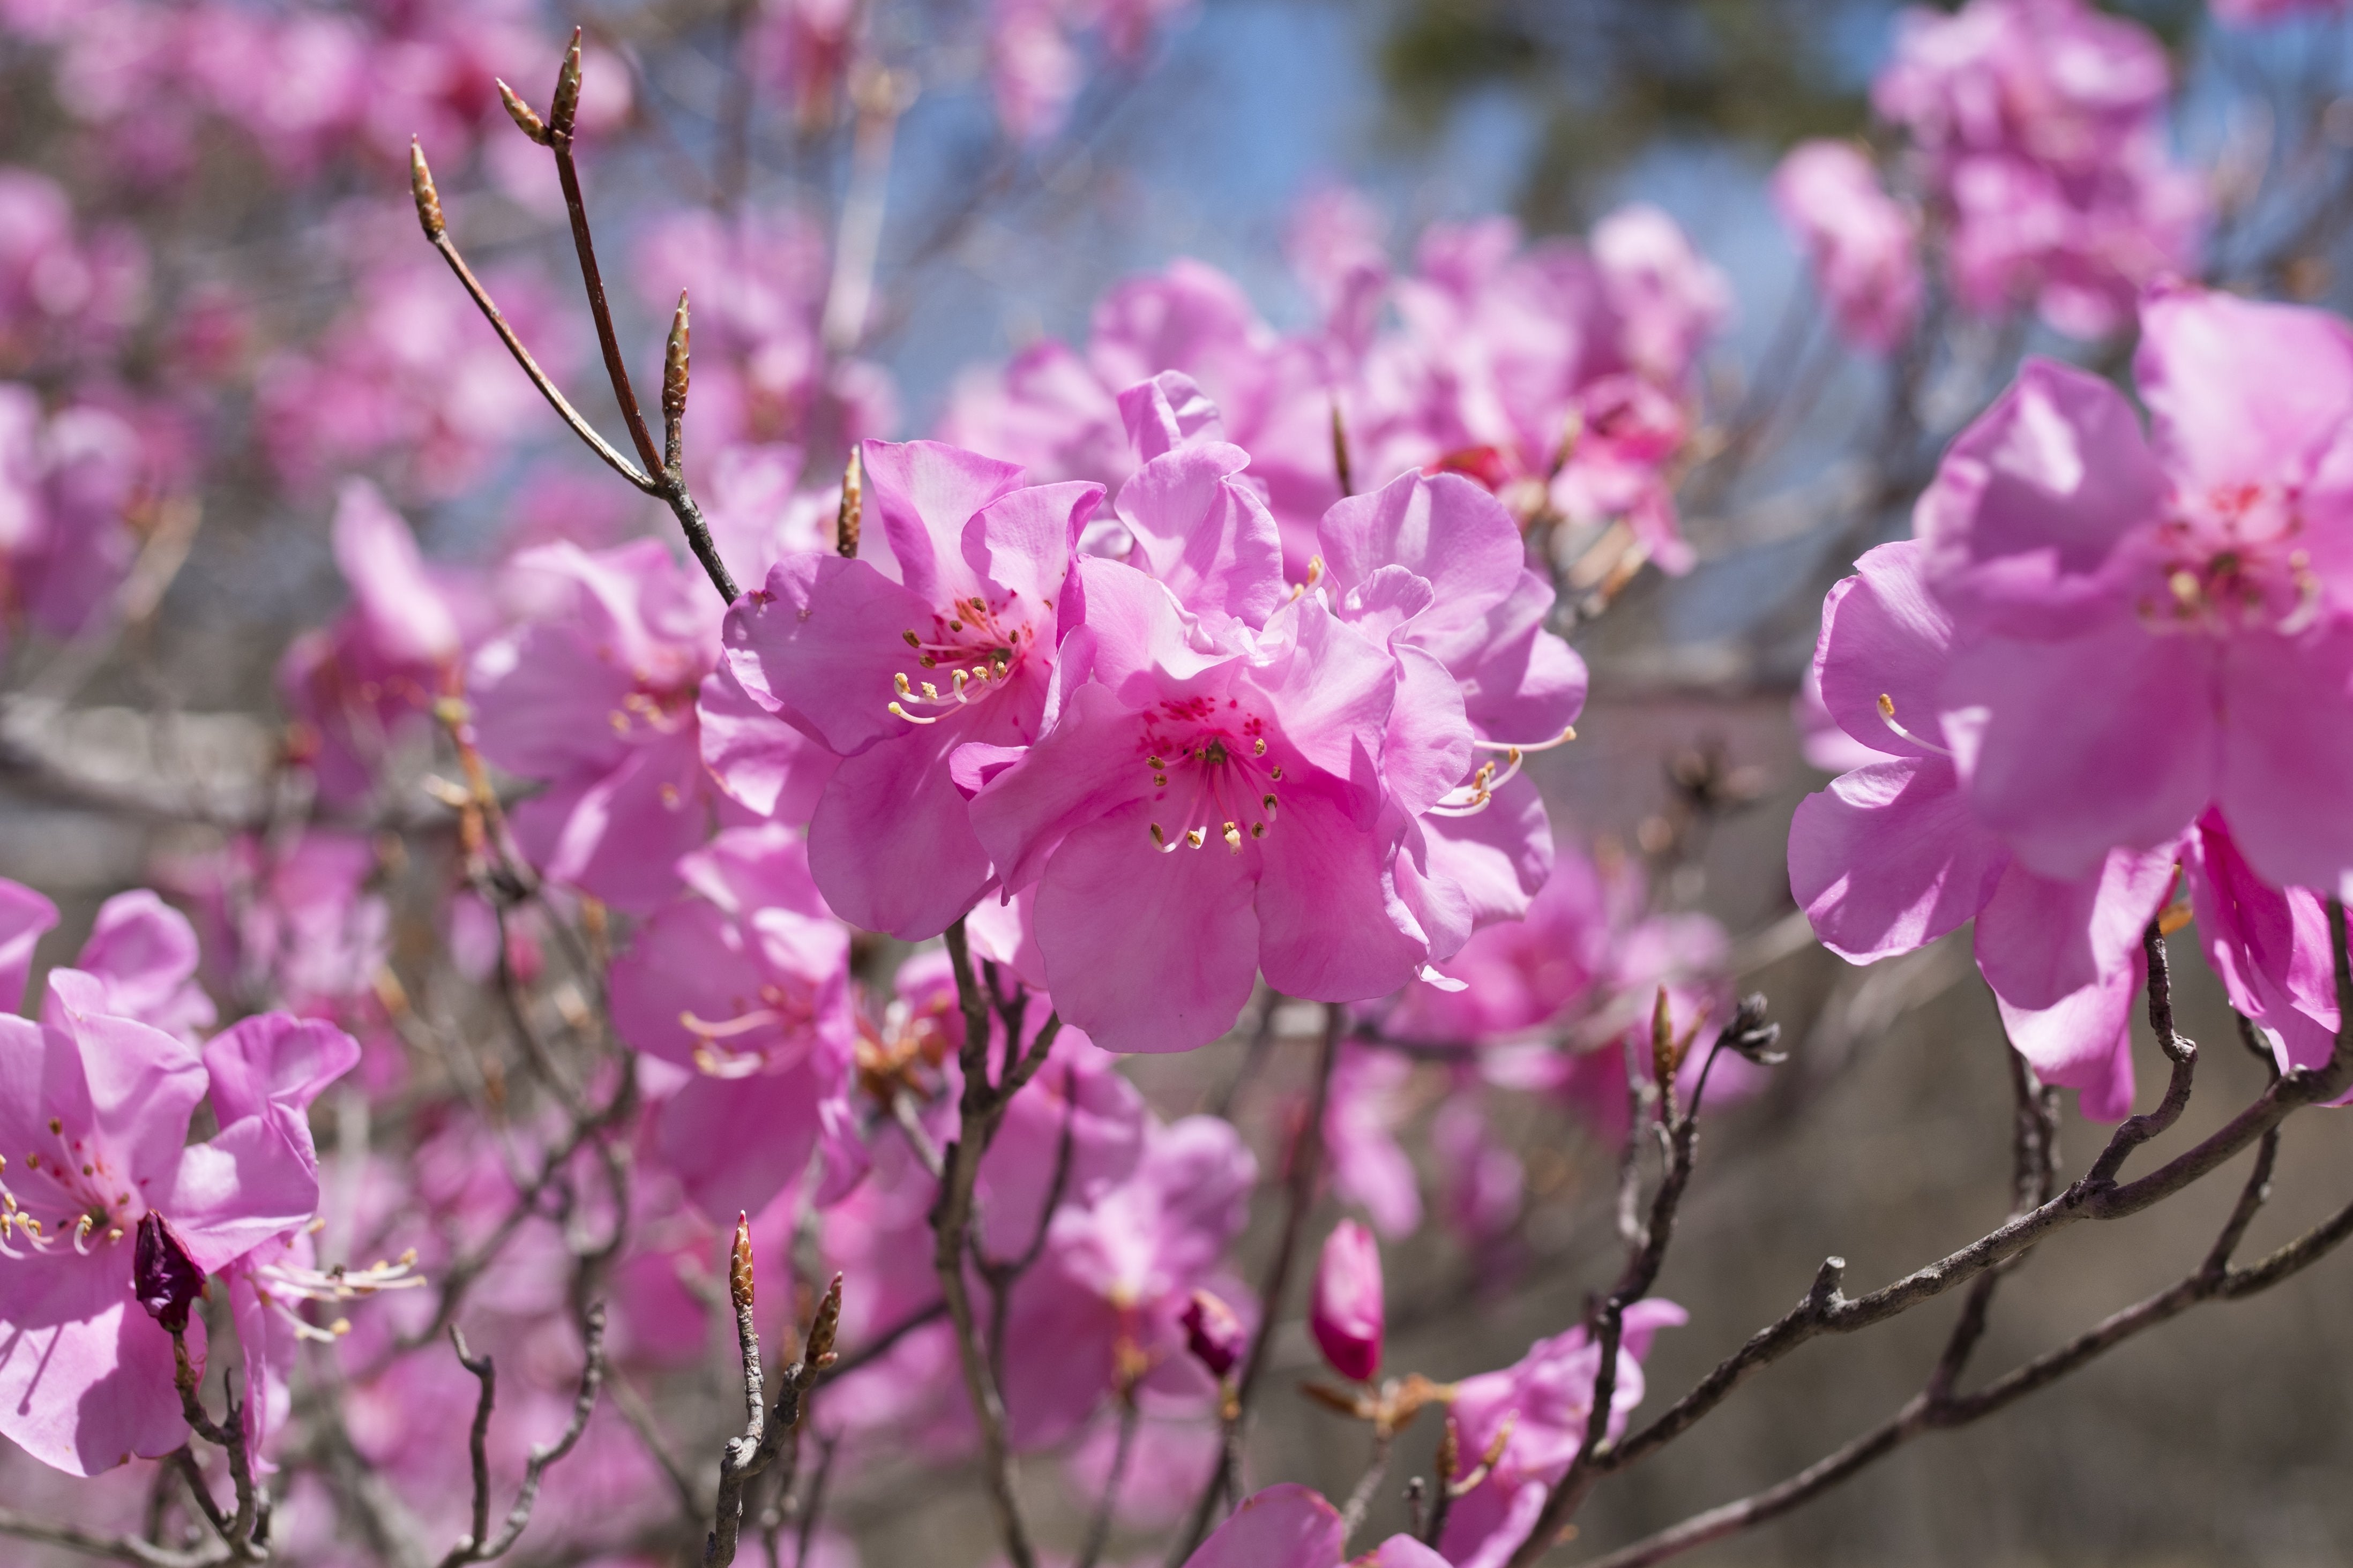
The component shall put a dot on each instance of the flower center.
(1209, 773)
(2232, 558)
(978, 645)
(89, 1201)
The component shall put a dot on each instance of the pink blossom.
(742, 981)
(941, 635)
(596, 699)
(2144, 626)
(1547, 1397)
(1367, 1103)
(2038, 123)
(369, 680)
(2254, 12)
(1234, 796)
(1345, 1313)
(61, 293)
(292, 924)
(141, 953)
(1669, 299)
(1863, 242)
(96, 1110)
(1891, 856)
(71, 480)
(1212, 1332)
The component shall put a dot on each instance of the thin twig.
(1107, 1506)
(476, 1548)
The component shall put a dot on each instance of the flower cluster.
(2108, 660)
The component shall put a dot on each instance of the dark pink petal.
(2270, 946)
(1443, 528)
(253, 1180)
(146, 953)
(1022, 540)
(545, 704)
(1086, 766)
(2069, 748)
(618, 836)
(1888, 859)
(407, 615)
(735, 1143)
(1167, 412)
(1344, 1311)
(2084, 1040)
(1147, 950)
(272, 1058)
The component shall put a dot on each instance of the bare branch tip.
(563, 110)
(428, 200)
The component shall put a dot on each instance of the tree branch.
(478, 1547)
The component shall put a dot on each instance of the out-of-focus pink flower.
(942, 634)
(1033, 65)
(61, 294)
(2144, 626)
(2039, 129)
(1345, 1313)
(597, 699)
(1222, 795)
(804, 46)
(1546, 1398)
(70, 481)
(1361, 1116)
(1864, 244)
(410, 382)
(365, 682)
(141, 953)
(744, 981)
(99, 1107)
(1669, 299)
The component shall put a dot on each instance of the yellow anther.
(2184, 583)
(1275, 772)
(1258, 747)
(1155, 763)
(961, 677)
(899, 679)
(1196, 838)
(1233, 838)
(931, 693)
(1886, 706)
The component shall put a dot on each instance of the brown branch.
(980, 1111)
(1826, 1311)
(1107, 1506)
(763, 1434)
(1306, 1161)
(112, 1548)
(238, 1534)
(480, 1546)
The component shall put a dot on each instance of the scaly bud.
(823, 1327)
(428, 200)
(853, 500)
(565, 107)
(674, 377)
(739, 1264)
(526, 119)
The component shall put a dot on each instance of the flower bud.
(1345, 1315)
(1213, 1333)
(164, 1276)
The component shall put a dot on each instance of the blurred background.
(238, 281)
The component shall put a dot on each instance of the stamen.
(1567, 734)
(913, 640)
(1887, 717)
(1196, 838)
(899, 679)
(1233, 838)
(1258, 830)
(1267, 803)
(1258, 747)
(911, 717)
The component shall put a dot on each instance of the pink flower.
(1435, 566)
(1345, 1313)
(94, 1114)
(69, 481)
(2142, 627)
(1669, 299)
(1290, 1527)
(1368, 1101)
(942, 634)
(1212, 1332)
(597, 699)
(2039, 128)
(60, 294)
(2254, 12)
(366, 681)
(1547, 1397)
(1864, 244)
(1891, 856)
(292, 923)
(1194, 818)
(743, 983)
(141, 953)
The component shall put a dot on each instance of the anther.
(1887, 717)
(913, 640)
(899, 679)
(1258, 830)
(1233, 838)
(1268, 802)
(1196, 838)
(911, 718)
(1258, 747)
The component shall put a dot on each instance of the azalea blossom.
(1863, 243)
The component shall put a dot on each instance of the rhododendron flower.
(1345, 1313)
(942, 634)
(743, 982)
(2038, 123)
(1435, 567)
(94, 1113)
(141, 951)
(380, 667)
(2254, 12)
(2143, 627)
(1195, 818)
(1891, 856)
(60, 292)
(70, 482)
(1367, 1103)
(1863, 242)
(596, 698)
(1546, 1398)
(1293, 1527)
(1669, 299)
